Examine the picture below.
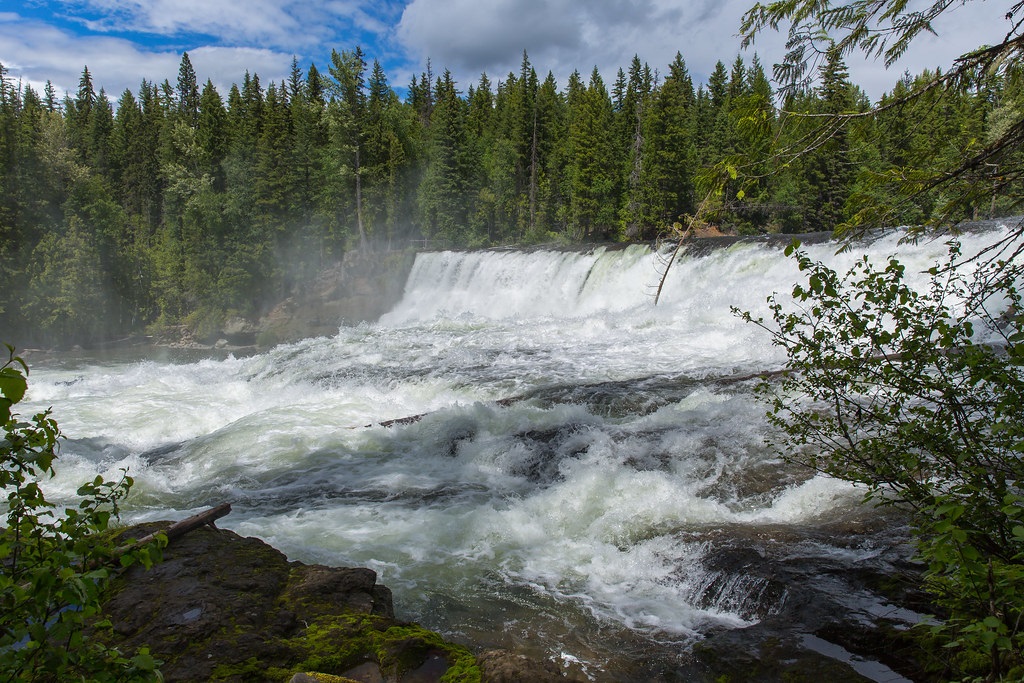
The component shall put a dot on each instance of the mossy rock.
(221, 607)
(340, 644)
(317, 677)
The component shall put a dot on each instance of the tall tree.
(348, 116)
(78, 112)
(187, 106)
(592, 160)
(444, 201)
(829, 169)
(634, 123)
(672, 157)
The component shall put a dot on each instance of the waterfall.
(571, 473)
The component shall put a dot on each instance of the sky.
(123, 42)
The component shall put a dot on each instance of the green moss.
(463, 670)
(336, 644)
(327, 678)
(251, 667)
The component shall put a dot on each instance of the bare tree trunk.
(533, 175)
(633, 228)
(359, 204)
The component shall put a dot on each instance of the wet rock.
(314, 677)
(238, 332)
(223, 607)
(817, 618)
(361, 288)
(502, 666)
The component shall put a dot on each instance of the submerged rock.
(223, 607)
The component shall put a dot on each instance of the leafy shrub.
(919, 396)
(55, 564)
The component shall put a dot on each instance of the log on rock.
(181, 528)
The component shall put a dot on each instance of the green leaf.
(144, 661)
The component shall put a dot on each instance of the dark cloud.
(468, 38)
(473, 36)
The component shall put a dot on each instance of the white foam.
(593, 506)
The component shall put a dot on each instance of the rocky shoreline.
(222, 607)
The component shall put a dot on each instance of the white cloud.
(289, 25)
(225, 38)
(227, 65)
(36, 52)
(232, 20)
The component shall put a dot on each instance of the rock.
(502, 666)
(235, 326)
(313, 677)
(223, 607)
(361, 288)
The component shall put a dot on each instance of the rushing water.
(575, 521)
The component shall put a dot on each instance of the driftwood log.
(181, 528)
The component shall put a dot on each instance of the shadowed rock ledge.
(221, 607)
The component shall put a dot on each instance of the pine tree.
(551, 134)
(829, 170)
(101, 126)
(592, 161)
(348, 118)
(212, 134)
(672, 155)
(187, 108)
(78, 112)
(634, 124)
(444, 201)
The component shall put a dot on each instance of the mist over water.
(576, 520)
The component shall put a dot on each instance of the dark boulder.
(223, 607)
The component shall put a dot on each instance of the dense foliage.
(919, 397)
(178, 204)
(54, 564)
(917, 394)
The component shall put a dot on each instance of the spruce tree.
(187, 108)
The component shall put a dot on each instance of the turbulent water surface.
(576, 520)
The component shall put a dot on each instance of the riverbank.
(223, 607)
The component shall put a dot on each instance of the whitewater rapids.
(586, 507)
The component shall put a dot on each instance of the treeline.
(180, 205)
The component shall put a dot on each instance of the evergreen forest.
(181, 205)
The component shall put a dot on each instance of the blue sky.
(125, 41)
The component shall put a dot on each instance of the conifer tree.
(444, 201)
(672, 153)
(635, 127)
(78, 112)
(594, 171)
(551, 132)
(348, 119)
(187, 107)
(212, 133)
(829, 170)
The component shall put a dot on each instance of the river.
(575, 468)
